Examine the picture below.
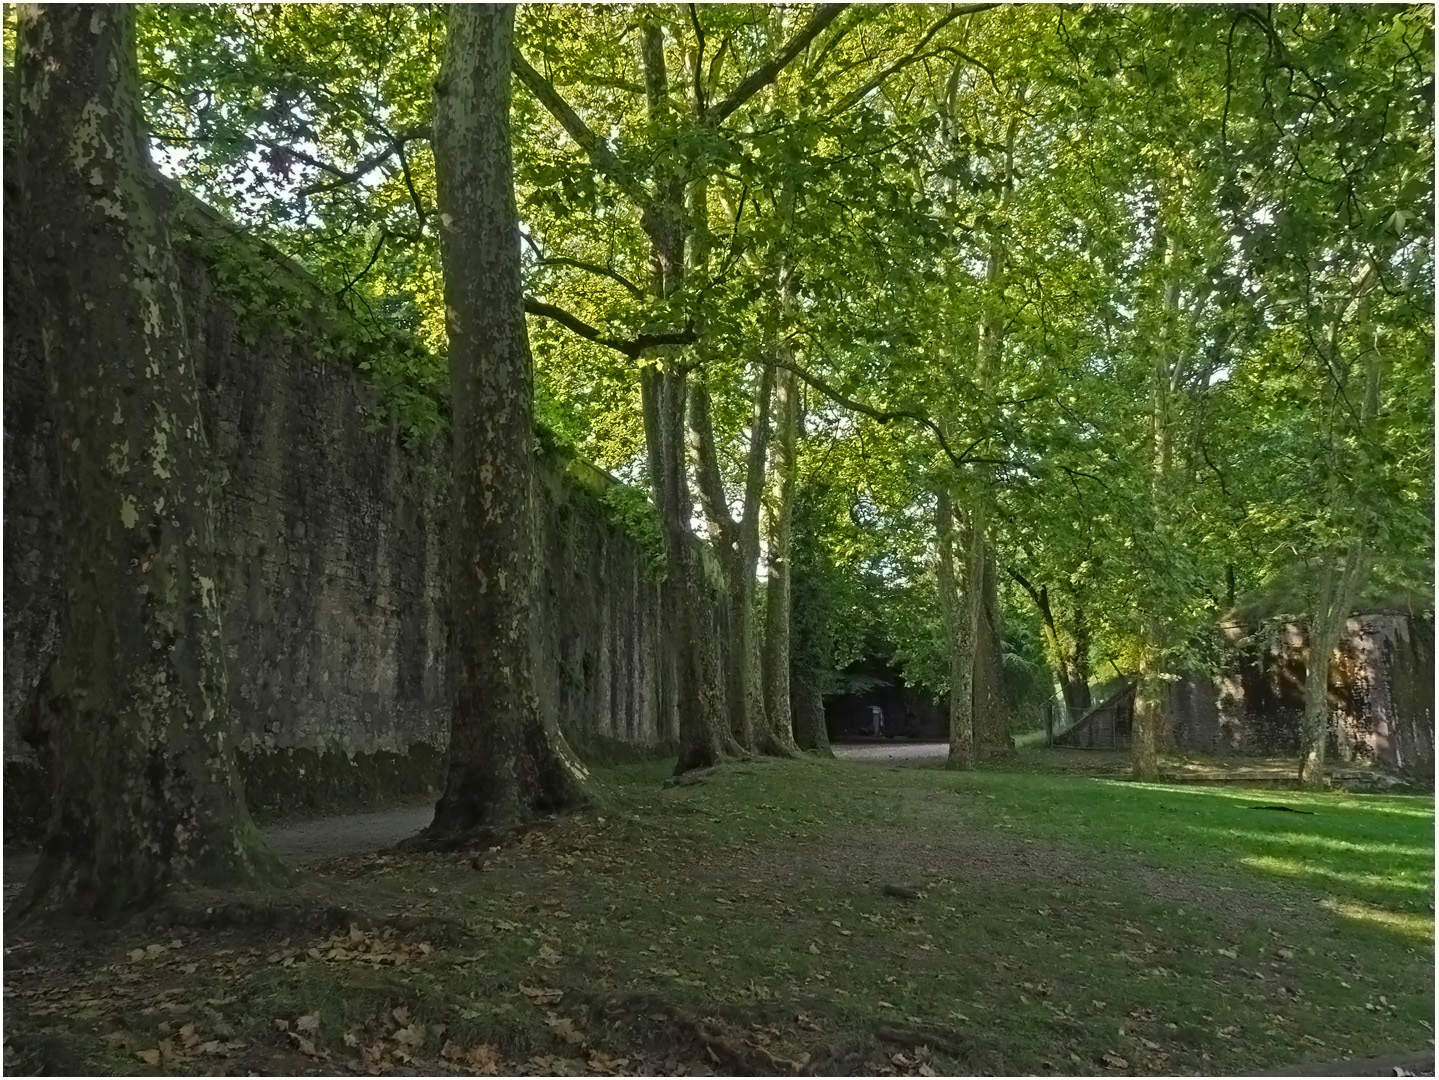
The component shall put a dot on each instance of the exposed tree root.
(315, 917)
(921, 1036)
(476, 838)
(1286, 809)
(694, 776)
(734, 1053)
(904, 892)
(747, 1056)
(711, 772)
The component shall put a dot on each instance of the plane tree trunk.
(959, 630)
(506, 758)
(777, 735)
(1151, 699)
(133, 714)
(704, 736)
(737, 544)
(811, 629)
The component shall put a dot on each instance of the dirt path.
(900, 751)
(300, 841)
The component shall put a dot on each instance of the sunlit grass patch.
(1297, 868)
(1406, 923)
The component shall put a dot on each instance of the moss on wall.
(299, 779)
(332, 526)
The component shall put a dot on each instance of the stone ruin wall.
(333, 536)
(1381, 685)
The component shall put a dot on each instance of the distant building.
(874, 682)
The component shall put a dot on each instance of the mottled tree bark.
(133, 715)
(1150, 708)
(506, 758)
(959, 628)
(701, 688)
(1344, 569)
(737, 544)
(704, 734)
(807, 702)
(991, 716)
(1151, 700)
(983, 717)
(1070, 652)
(777, 735)
(1339, 583)
(750, 680)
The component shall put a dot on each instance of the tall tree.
(133, 714)
(779, 512)
(506, 758)
(687, 123)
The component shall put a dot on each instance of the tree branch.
(342, 177)
(913, 55)
(633, 348)
(762, 76)
(699, 76)
(601, 156)
(593, 268)
(410, 184)
(374, 257)
(883, 416)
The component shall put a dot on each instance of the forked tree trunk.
(133, 715)
(700, 690)
(737, 544)
(1070, 657)
(506, 758)
(704, 735)
(1344, 572)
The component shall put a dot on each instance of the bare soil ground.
(907, 751)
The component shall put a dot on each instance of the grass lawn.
(1043, 924)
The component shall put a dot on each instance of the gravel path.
(302, 841)
(903, 751)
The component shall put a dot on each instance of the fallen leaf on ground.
(541, 995)
(564, 1027)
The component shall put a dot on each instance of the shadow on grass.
(1370, 858)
